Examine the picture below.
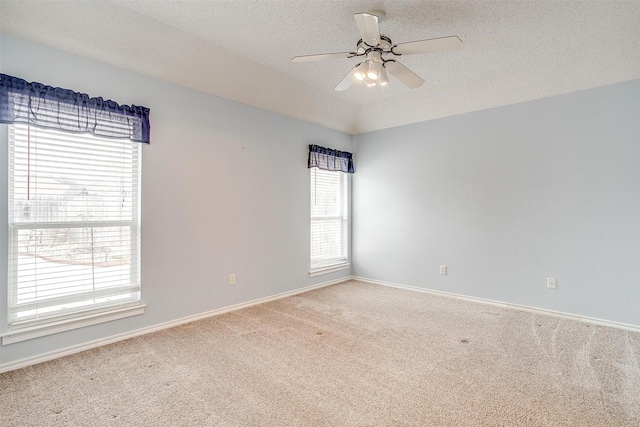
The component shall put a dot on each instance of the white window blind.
(329, 218)
(74, 234)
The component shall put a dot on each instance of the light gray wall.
(225, 190)
(506, 198)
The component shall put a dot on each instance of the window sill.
(329, 269)
(36, 331)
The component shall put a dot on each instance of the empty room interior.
(359, 213)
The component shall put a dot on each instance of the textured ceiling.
(512, 51)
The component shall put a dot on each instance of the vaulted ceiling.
(512, 51)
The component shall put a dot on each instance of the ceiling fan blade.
(402, 73)
(441, 44)
(368, 27)
(346, 82)
(321, 56)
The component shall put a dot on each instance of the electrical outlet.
(443, 270)
(551, 282)
(232, 279)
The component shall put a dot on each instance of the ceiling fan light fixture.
(369, 82)
(360, 72)
(384, 79)
(374, 69)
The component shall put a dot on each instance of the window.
(329, 221)
(74, 228)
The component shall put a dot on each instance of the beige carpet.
(352, 354)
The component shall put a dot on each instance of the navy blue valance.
(63, 109)
(328, 159)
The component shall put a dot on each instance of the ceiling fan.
(375, 51)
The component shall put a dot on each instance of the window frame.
(61, 321)
(339, 263)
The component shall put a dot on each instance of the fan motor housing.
(385, 44)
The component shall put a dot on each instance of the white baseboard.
(10, 366)
(591, 320)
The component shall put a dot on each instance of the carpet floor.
(351, 354)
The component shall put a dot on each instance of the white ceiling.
(512, 51)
